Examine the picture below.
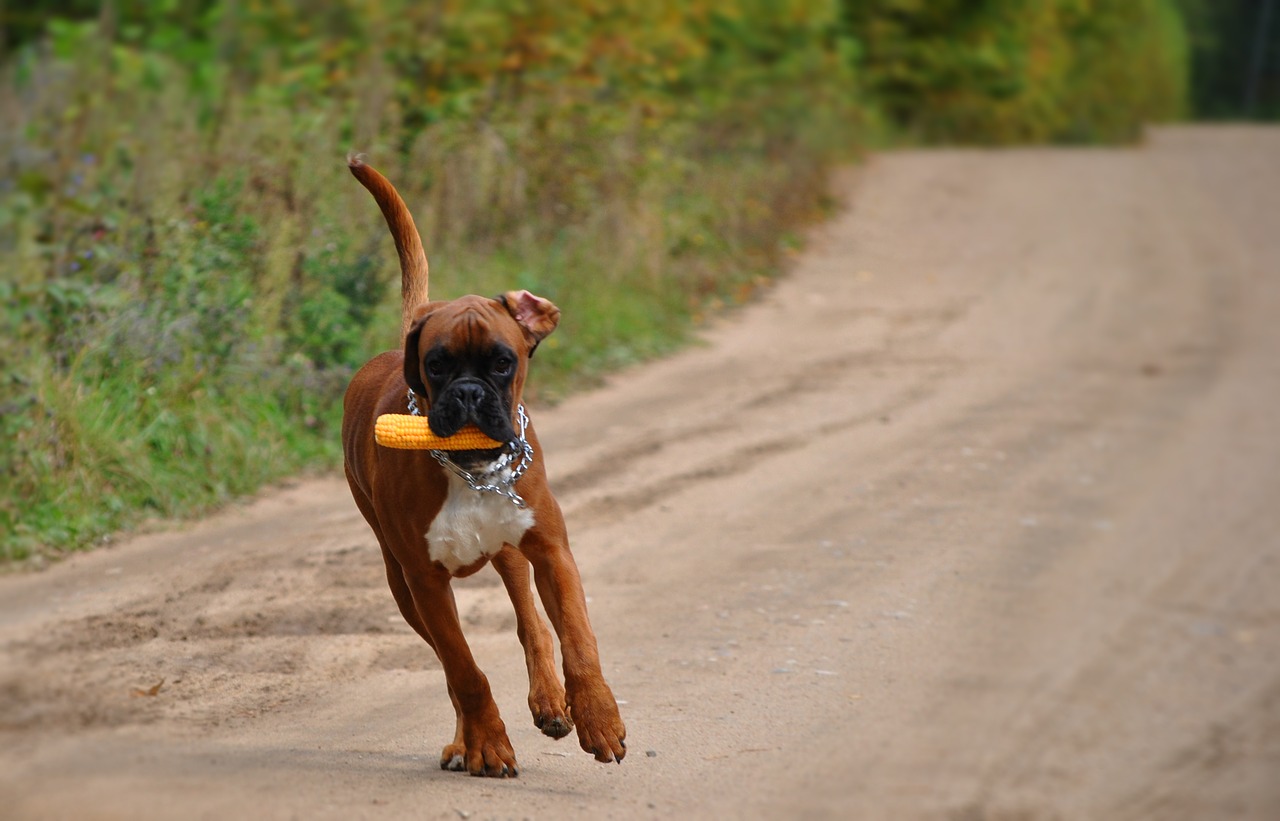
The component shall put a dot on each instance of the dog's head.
(468, 358)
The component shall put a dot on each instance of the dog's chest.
(472, 525)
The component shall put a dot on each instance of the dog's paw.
(600, 728)
(555, 727)
(453, 757)
(550, 715)
(493, 761)
(489, 753)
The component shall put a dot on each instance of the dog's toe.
(494, 762)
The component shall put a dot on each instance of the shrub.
(1004, 71)
(192, 275)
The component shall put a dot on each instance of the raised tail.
(413, 260)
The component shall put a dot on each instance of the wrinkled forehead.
(472, 324)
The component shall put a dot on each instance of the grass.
(192, 275)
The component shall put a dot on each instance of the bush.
(1006, 71)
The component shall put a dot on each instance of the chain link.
(499, 478)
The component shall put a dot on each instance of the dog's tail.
(413, 260)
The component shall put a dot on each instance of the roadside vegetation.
(190, 275)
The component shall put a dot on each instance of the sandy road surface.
(975, 516)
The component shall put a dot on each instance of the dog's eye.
(502, 366)
(435, 369)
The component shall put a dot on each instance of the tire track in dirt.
(972, 517)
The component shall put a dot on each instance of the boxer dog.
(438, 516)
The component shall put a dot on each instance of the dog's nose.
(470, 396)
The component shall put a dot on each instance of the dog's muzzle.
(471, 400)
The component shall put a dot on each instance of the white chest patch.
(473, 525)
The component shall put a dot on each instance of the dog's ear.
(412, 360)
(538, 317)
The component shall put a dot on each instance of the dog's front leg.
(487, 749)
(591, 703)
(546, 695)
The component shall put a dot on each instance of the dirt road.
(974, 516)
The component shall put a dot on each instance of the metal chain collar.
(499, 478)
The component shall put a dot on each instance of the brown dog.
(465, 361)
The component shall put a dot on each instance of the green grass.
(192, 275)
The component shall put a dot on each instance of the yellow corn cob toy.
(405, 432)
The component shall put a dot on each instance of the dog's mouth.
(472, 402)
(494, 470)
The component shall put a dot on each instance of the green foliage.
(191, 274)
(1004, 71)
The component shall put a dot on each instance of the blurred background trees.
(1234, 58)
(1002, 71)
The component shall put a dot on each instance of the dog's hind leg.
(453, 756)
(484, 736)
(546, 693)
